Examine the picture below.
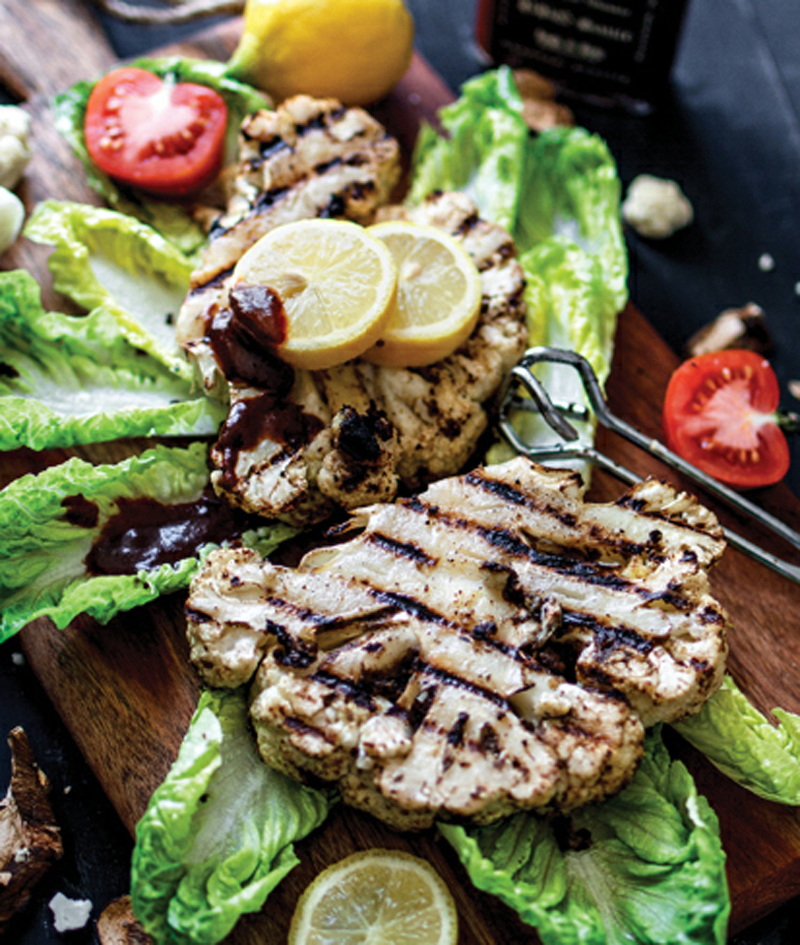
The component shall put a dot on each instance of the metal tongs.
(570, 446)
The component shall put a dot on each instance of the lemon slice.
(376, 897)
(337, 284)
(438, 295)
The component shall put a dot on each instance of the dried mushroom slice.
(30, 840)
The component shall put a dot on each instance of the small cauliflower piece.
(15, 150)
(656, 207)
(12, 214)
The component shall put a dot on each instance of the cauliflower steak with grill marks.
(298, 444)
(494, 644)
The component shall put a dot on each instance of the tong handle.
(555, 417)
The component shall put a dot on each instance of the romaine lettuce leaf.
(483, 152)
(218, 833)
(644, 867)
(746, 746)
(43, 551)
(66, 380)
(172, 220)
(105, 258)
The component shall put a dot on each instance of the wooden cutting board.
(126, 691)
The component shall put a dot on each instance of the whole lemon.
(352, 50)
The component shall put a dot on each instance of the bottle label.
(605, 48)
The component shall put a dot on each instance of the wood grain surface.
(126, 691)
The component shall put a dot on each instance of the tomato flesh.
(720, 415)
(161, 136)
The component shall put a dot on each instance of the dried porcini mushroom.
(30, 840)
(117, 925)
(744, 327)
(540, 109)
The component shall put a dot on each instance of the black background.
(728, 132)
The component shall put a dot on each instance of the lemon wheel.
(438, 295)
(337, 284)
(376, 897)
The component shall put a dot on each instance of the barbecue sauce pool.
(145, 533)
(244, 336)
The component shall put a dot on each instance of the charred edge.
(608, 638)
(288, 653)
(467, 224)
(458, 682)
(710, 615)
(420, 706)
(349, 689)
(272, 146)
(335, 207)
(353, 160)
(503, 539)
(303, 728)
(320, 121)
(212, 283)
(410, 605)
(455, 736)
(196, 616)
(402, 549)
(8, 370)
(325, 166)
(269, 198)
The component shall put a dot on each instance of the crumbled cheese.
(656, 207)
(69, 914)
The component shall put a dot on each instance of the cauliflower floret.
(656, 207)
(15, 150)
(12, 213)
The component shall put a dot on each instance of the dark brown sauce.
(80, 511)
(145, 533)
(243, 337)
(260, 418)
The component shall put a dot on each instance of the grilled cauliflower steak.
(348, 436)
(308, 158)
(493, 644)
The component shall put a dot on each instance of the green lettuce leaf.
(746, 746)
(104, 258)
(644, 867)
(218, 833)
(483, 152)
(173, 220)
(42, 554)
(558, 194)
(68, 380)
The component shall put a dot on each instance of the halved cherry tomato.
(163, 136)
(720, 415)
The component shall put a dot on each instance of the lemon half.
(337, 284)
(438, 295)
(376, 897)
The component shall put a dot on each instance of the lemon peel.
(351, 50)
